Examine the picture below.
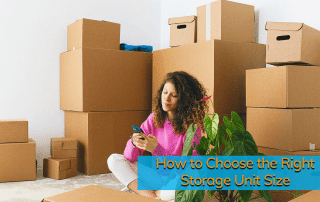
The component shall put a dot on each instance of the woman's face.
(169, 97)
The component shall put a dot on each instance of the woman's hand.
(149, 144)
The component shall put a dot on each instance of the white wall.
(32, 36)
(266, 10)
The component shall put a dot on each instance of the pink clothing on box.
(169, 143)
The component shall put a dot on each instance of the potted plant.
(229, 139)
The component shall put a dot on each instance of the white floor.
(35, 191)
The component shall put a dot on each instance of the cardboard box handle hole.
(283, 37)
(181, 26)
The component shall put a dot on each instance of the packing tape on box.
(208, 20)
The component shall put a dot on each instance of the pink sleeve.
(131, 152)
(196, 139)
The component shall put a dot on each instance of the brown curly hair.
(189, 109)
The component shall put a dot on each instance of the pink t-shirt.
(169, 143)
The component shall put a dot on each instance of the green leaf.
(265, 194)
(244, 144)
(203, 146)
(229, 124)
(208, 125)
(191, 151)
(189, 195)
(228, 150)
(214, 126)
(245, 194)
(189, 137)
(236, 120)
(210, 193)
(213, 152)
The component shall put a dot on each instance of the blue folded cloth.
(141, 48)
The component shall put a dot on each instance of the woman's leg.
(127, 173)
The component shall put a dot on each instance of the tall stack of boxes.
(63, 161)
(103, 91)
(220, 60)
(17, 151)
(283, 102)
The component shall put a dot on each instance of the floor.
(35, 191)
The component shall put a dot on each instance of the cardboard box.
(15, 130)
(283, 87)
(63, 148)
(183, 30)
(59, 168)
(285, 195)
(100, 134)
(292, 43)
(312, 196)
(225, 20)
(96, 193)
(105, 80)
(18, 161)
(219, 65)
(284, 129)
(86, 33)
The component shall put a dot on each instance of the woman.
(176, 107)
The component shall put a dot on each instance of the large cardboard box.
(283, 87)
(87, 33)
(18, 161)
(59, 168)
(312, 196)
(219, 65)
(285, 195)
(94, 193)
(63, 148)
(100, 134)
(15, 130)
(105, 80)
(277, 152)
(183, 30)
(284, 129)
(225, 20)
(292, 43)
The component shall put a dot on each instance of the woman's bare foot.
(134, 187)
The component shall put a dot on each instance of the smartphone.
(138, 130)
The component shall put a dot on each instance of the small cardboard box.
(283, 87)
(183, 30)
(284, 129)
(15, 130)
(63, 148)
(105, 80)
(219, 65)
(285, 195)
(292, 43)
(94, 193)
(59, 168)
(87, 33)
(312, 196)
(18, 161)
(225, 20)
(100, 134)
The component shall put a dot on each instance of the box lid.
(179, 20)
(284, 26)
(97, 193)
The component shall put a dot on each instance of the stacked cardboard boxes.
(218, 61)
(17, 151)
(103, 91)
(283, 101)
(63, 161)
